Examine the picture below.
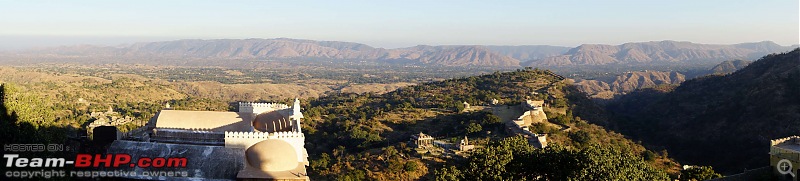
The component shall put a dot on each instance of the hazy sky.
(25, 23)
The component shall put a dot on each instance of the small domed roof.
(272, 155)
(271, 122)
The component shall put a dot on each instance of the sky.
(392, 24)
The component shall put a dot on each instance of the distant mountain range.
(450, 55)
(283, 48)
(659, 51)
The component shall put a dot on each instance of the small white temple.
(464, 145)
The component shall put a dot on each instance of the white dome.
(272, 155)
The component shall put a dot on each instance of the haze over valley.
(673, 52)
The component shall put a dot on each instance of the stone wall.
(532, 116)
(258, 108)
(244, 140)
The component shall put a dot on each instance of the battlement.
(247, 135)
(246, 139)
(258, 108)
(268, 105)
(287, 134)
(782, 140)
(263, 135)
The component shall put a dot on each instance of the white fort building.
(263, 141)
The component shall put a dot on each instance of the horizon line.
(153, 39)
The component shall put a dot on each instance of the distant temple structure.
(422, 140)
(262, 141)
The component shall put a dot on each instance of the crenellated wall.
(781, 140)
(258, 108)
(246, 139)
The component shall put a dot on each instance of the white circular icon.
(785, 167)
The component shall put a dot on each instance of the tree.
(608, 163)
(473, 128)
(449, 174)
(353, 175)
(489, 163)
(321, 163)
(411, 166)
(560, 103)
(699, 173)
(458, 106)
(580, 137)
(491, 119)
(649, 155)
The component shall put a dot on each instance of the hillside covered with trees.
(365, 136)
(723, 120)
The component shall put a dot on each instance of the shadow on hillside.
(22, 132)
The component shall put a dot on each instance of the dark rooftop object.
(104, 135)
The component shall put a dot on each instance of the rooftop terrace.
(791, 143)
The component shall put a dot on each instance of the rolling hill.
(730, 66)
(627, 82)
(721, 120)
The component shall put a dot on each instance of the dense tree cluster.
(387, 163)
(514, 159)
(26, 119)
(508, 87)
(699, 173)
